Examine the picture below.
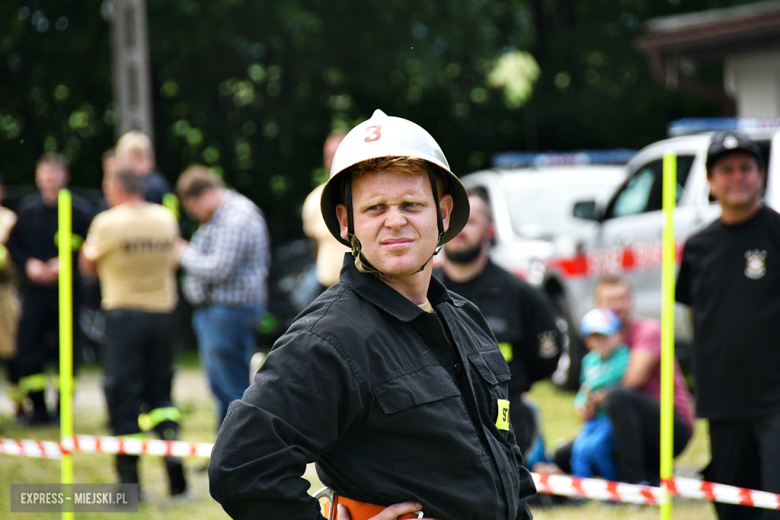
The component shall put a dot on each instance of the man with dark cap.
(730, 278)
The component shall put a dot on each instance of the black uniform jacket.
(354, 387)
(156, 187)
(35, 234)
(520, 316)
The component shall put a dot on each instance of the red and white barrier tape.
(702, 490)
(93, 444)
(683, 487)
(598, 489)
(551, 484)
(133, 446)
(28, 448)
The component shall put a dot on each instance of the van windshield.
(543, 212)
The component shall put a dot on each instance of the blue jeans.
(594, 450)
(226, 339)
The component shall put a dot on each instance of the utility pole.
(131, 68)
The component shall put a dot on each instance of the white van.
(531, 198)
(625, 237)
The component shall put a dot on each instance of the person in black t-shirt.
(730, 278)
(519, 315)
(33, 248)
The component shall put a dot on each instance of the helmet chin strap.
(361, 263)
(364, 266)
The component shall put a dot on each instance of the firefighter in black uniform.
(394, 386)
(520, 316)
(33, 248)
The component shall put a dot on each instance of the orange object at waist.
(364, 510)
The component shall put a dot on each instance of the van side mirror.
(586, 210)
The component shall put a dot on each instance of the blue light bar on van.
(529, 159)
(695, 125)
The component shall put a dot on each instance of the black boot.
(127, 468)
(169, 431)
(175, 468)
(39, 413)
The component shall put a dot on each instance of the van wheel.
(567, 375)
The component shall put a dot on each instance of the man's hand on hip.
(390, 513)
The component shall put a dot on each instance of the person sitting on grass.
(594, 448)
(635, 405)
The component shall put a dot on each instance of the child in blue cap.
(594, 448)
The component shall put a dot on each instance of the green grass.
(197, 426)
(559, 423)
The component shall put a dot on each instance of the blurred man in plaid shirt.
(226, 267)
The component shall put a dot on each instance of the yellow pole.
(66, 334)
(667, 327)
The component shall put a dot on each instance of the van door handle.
(625, 238)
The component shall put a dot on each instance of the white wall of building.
(754, 81)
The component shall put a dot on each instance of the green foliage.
(515, 72)
(596, 90)
(55, 87)
(252, 88)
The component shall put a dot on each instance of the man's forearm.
(86, 266)
(640, 366)
(210, 267)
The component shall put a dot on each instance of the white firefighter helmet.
(387, 136)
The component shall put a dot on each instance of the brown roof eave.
(714, 39)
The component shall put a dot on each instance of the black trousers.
(746, 453)
(636, 421)
(38, 334)
(138, 364)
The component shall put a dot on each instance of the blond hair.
(134, 144)
(400, 164)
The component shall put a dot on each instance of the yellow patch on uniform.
(502, 423)
(506, 350)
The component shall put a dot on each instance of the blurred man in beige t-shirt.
(130, 248)
(330, 253)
